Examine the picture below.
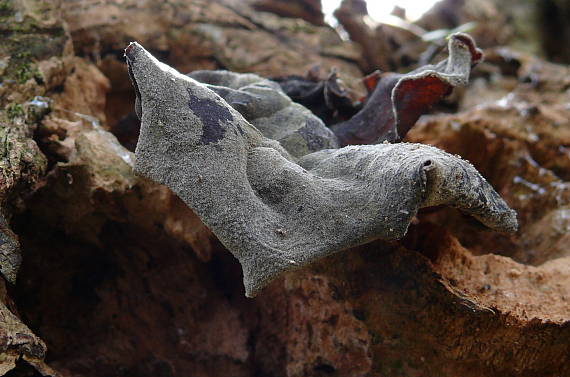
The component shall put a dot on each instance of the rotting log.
(119, 275)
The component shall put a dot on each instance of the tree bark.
(118, 276)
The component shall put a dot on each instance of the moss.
(302, 28)
(6, 8)
(21, 68)
(14, 110)
(10, 25)
(28, 40)
(24, 73)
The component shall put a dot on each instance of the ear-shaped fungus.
(263, 103)
(326, 98)
(272, 211)
(399, 100)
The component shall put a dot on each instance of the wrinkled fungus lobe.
(397, 101)
(267, 177)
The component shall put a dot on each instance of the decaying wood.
(119, 276)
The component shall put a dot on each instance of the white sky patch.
(379, 9)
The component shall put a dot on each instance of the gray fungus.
(266, 176)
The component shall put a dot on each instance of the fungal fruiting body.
(278, 208)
